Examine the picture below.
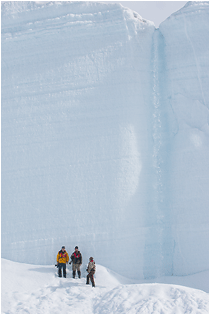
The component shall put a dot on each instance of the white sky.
(155, 11)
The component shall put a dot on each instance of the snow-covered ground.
(34, 289)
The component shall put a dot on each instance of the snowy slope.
(30, 289)
(104, 136)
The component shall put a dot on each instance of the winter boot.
(79, 273)
(74, 274)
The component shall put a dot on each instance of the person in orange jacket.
(62, 260)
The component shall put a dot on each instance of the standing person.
(91, 270)
(76, 258)
(62, 260)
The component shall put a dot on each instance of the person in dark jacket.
(76, 259)
(91, 270)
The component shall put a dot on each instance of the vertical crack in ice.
(195, 57)
(157, 142)
(159, 242)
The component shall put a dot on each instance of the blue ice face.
(105, 136)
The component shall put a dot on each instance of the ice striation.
(105, 136)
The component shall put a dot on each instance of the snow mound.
(152, 299)
(34, 289)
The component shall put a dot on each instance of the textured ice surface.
(186, 52)
(105, 136)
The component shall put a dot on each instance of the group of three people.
(76, 260)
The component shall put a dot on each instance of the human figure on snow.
(62, 260)
(91, 270)
(76, 259)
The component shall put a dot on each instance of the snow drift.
(30, 289)
(105, 136)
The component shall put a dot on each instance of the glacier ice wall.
(104, 136)
(186, 48)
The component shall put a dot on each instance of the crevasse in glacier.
(105, 136)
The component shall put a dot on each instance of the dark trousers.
(62, 266)
(74, 273)
(90, 276)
